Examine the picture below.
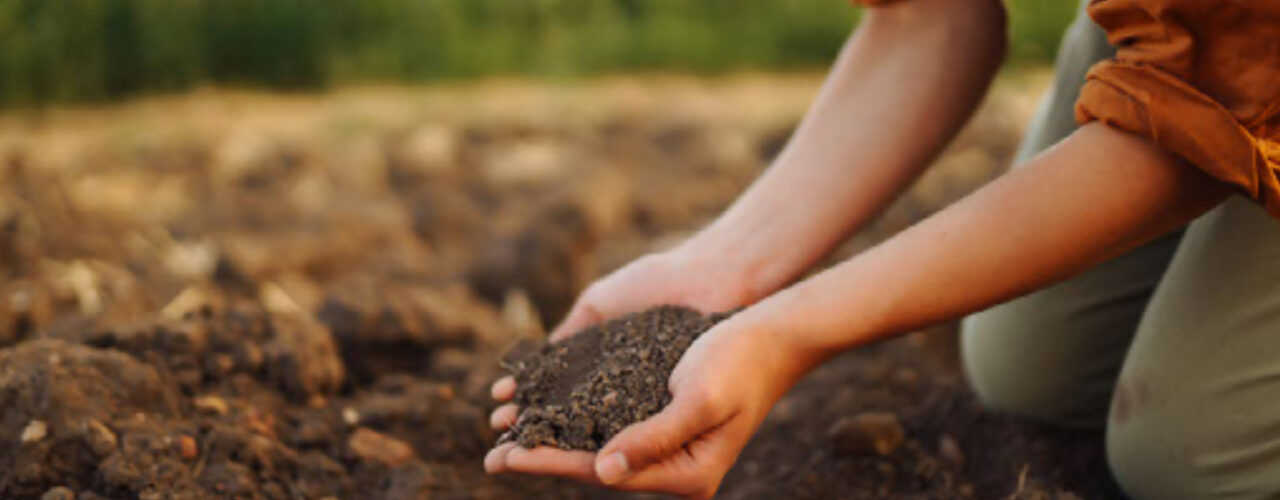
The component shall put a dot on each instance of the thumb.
(650, 441)
(581, 316)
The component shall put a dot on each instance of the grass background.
(54, 51)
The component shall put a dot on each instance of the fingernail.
(613, 468)
(492, 462)
(503, 389)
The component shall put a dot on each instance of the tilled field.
(244, 296)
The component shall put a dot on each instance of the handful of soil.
(578, 393)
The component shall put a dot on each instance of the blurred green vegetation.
(92, 50)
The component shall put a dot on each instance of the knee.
(1185, 453)
(1012, 373)
(1013, 388)
(1129, 451)
(1149, 464)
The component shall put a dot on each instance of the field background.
(95, 50)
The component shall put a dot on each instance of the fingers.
(504, 417)
(576, 465)
(680, 473)
(692, 471)
(655, 439)
(696, 470)
(581, 316)
(695, 473)
(504, 388)
(495, 462)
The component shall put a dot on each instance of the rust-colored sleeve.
(1200, 78)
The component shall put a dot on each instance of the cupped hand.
(721, 390)
(682, 276)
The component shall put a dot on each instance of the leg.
(1197, 406)
(1054, 354)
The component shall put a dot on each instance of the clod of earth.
(577, 394)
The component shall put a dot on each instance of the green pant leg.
(1197, 406)
(1083, 45)
(1055, 354)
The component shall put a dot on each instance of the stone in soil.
(374, 446)
(579, 393)
(867, 433)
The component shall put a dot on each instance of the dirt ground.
(238, 295)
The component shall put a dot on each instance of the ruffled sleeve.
(1201, 79)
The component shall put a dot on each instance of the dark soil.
(579, 393)
(267, 315)
(952, 447)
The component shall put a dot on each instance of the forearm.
(1097, 194)
(901, 88)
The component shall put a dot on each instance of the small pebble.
(350, 416)
(187, 447)
(375, 446)
(99, 437)
(212, 405)
(867, 433)
(35, 431)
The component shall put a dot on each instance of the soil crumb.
(577, 394)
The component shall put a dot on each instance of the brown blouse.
(1200, 78)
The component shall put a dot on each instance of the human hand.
(687, 276)
(721, 389)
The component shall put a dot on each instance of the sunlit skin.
(902, 86)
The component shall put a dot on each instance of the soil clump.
(579, 393)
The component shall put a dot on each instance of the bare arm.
(903, 85)
(1097, 194)
(905, 82)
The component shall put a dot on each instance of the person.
(1092, 297)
